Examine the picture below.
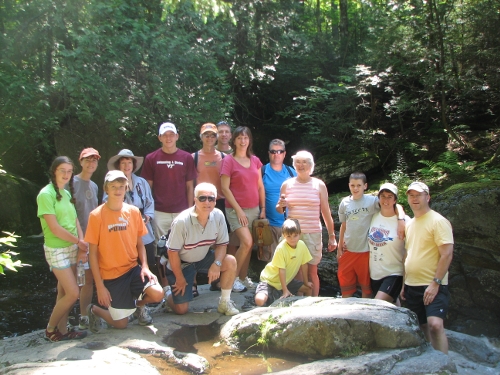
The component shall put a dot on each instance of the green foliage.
(401, 178)
(353, 351)
(449, 166)
(266, 331)
(6, 261)
(338, 78)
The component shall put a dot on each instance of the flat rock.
(414, 361)
(114, 350)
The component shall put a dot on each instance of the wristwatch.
(437, 281)
(218, 263)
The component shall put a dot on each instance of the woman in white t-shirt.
(387, 251)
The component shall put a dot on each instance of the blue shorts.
(414, 296)
(189, 271)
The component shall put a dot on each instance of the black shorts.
(273, 294)
(414, 296)
(390, 285)
(125, 289)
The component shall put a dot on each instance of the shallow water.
(222, 359)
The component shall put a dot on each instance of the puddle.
(203, 341)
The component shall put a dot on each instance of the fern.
(448, 163)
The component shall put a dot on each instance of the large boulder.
(330, 169)
(475, 269)
(325, 327)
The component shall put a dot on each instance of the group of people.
(204, 204)
(394, 257)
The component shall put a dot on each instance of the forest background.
(403, 89)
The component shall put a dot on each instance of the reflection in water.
(185, 338)
(203, 341)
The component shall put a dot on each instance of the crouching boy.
(277, 278)
(114, 234)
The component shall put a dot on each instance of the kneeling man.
(114, 234)
(192, 234)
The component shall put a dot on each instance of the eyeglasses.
(210, 135)
(203, 198)
(64, 171)
(91, 159)
(274, 152)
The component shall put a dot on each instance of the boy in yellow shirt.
(277, 278)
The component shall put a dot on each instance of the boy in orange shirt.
(114, 234)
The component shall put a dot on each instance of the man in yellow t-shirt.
(429, 244)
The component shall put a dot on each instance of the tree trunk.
(344, 28)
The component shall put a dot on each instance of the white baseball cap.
(167, 127)
(418, 186)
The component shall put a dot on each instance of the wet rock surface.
(120, 351)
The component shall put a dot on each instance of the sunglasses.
(203, 198)
(276, 152)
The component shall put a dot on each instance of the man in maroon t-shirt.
(170, 172)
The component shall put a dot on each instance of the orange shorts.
(354, 269)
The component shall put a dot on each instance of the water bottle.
(162, 249)
(80, 274)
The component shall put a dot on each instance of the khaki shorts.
(162, 223)
(251, 213)
(314, 243)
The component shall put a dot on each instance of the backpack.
(196, 158)
(263, 239)
(289, 169)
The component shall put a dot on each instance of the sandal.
(195, 290)
(75, 335)
(55, 335)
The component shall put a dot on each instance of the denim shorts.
(189, 271)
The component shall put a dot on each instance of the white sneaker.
(238, 287)
(84, 322)
(248, 283)
(227, 307)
